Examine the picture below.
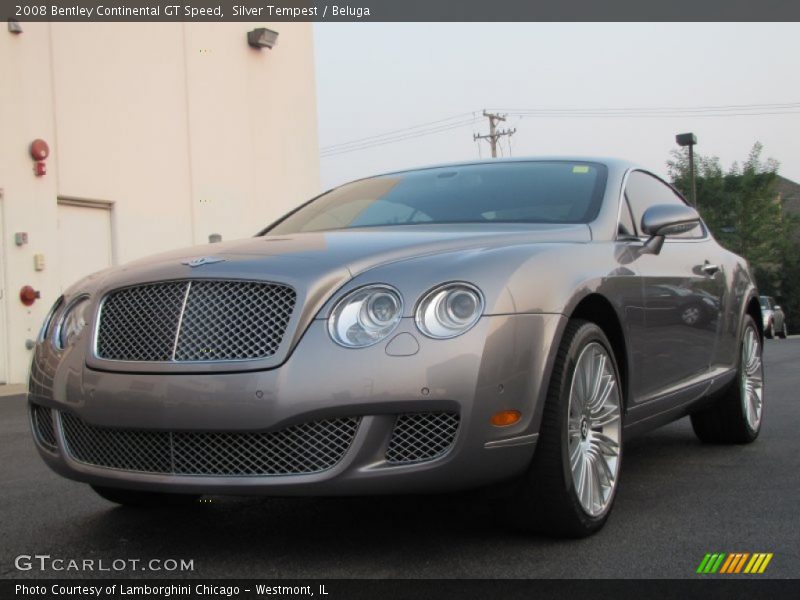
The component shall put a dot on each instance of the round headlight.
(449, 310)
(365, 316)
(72, 322)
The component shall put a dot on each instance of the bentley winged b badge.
(203, 260)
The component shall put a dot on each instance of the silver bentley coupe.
(504, 323)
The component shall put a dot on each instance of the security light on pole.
(689, 139)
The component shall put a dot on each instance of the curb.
(14, 389)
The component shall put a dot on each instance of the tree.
(742, 209)
(740, 206)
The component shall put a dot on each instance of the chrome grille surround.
(44, 431)
(194, 321)
(418, 437)
(306, 448)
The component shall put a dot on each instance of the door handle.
(710, 269)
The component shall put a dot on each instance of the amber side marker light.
(506, 417)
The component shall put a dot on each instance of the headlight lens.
(72, 322)
(449, 310)
(365, 316)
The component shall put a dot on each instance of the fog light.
(506, 417)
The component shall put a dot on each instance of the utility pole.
(494, 133)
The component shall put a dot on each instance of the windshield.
(764, 302)
(512, 192)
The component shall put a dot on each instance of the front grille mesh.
(306, 448)
(418, 437)
(43, 426)
(141, 323)
(201, 320)
(227, 320)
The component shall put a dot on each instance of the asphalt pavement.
(679, 499)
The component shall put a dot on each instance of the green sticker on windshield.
(580, 169)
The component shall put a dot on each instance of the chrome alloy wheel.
(594, 429)
(752, 378)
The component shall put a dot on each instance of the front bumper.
(500, 364)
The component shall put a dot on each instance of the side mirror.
(662, 220)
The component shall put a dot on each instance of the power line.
(393, 132)
(457, 121)
(656, 109)
(398, 138)
(653, 115)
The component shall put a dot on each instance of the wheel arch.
(599, 310)
(753, 309)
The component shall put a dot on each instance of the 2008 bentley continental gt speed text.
(442, 328)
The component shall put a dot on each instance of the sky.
(374, 78)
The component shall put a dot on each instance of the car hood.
(317, 264)
(360, 249)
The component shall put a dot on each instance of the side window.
(643, 191)
(626, 226)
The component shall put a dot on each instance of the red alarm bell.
(39, 150)
(28, 295)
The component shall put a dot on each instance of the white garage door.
(84, 240)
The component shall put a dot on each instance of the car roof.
(610, 162)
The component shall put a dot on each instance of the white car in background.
(774, 318)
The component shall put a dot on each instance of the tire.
(736, 417)
(142, 499)
(769, 332)
(783, 332)
(552, 497)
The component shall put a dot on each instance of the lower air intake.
(306, 448)
(44, 431)
(419, 437)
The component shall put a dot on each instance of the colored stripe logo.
(734, 563)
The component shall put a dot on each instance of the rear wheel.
(572, 481)
(769, 332)
(736, 417)
(144, 499)
(783, 332)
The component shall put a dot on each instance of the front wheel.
(783, 332)
(572, 481)
(141, 499)
(769, 332)
(735, 418)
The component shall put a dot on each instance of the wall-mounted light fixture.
(14, 26)
(262, 38)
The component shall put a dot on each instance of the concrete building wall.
(183, 130)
